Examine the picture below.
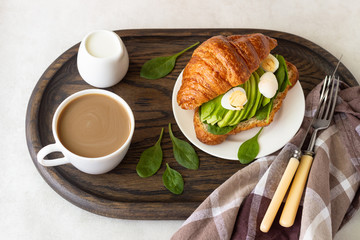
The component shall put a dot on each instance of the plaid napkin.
(236, 208)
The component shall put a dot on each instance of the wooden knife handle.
(292, 202)
(279, 195)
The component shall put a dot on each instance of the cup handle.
(53, 162)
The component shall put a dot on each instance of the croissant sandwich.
(234, 84)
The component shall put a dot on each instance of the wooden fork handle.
(292, 202)
(279, 195)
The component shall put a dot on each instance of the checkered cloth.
(236, 208)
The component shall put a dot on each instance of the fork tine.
(332, 100)
(324, 86)
(335, 98)
(324, 98)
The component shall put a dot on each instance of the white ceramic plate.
(286, 123)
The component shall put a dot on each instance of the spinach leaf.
(161, 66)
(280, 74)
(173, 180)
(184, 153)
(249, 149)
(285, 78)
(150, 159)
(214, 129)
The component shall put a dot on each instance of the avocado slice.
(265, 101)
(260, 71)
(260, 101)
(212, 111)
(242, 116)
(251, 98)
(247, 87)
(249, 94)
(228, 116)
(208, 108)
(257, 99)
(217, 115)
(235, 118)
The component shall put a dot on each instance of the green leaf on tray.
(184, 153)
(173, 180)
(161, 66)
(151, 159)
(249, 149)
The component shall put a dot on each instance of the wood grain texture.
(121, 193)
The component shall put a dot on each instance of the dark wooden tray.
(121, 193)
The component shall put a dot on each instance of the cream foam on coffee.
(93, 125)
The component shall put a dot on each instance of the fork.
(322, 120)
(290, 171)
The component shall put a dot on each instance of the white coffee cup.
(89, 165)
(102, 59)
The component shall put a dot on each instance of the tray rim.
(124, 210)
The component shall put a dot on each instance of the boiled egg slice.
(268, 85)
(234, 99)
(270, 64)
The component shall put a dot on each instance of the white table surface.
(34, 33)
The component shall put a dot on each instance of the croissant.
(219, 64)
